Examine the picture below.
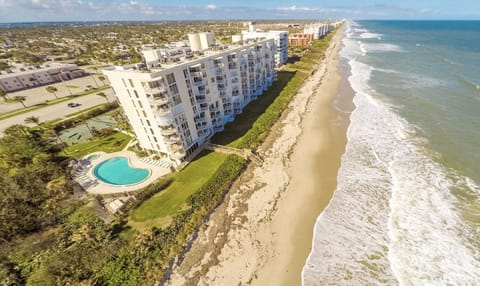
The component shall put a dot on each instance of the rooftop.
(142, 67)
(33, 69)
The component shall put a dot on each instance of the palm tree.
(52, 90)
(32, 119)
(102, 94)
(93, 76)
(20, 99)
(3, 94)
(102, 79)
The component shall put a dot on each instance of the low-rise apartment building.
(29, 77)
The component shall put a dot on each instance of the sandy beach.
(262, 233)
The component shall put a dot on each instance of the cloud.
(118, 10)
(295, 8)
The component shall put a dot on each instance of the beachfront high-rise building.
(280, 38)
(319, 30)
(174, 108)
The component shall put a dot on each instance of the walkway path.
(245, 153)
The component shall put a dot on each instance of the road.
(57, 110)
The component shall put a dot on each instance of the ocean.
(406, 210)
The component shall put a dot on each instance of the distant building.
(280, 38)
(29, 77)
(299, 39)
(174, 108)
(318, 30)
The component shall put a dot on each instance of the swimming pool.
(117, 171)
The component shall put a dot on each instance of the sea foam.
(394, 217)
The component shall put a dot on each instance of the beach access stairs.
(247, 154)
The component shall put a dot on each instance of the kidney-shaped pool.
(117, 171)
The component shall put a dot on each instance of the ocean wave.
(383, 47)
(368, 35)
(396, 216)
(470, 84)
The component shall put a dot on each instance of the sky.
(153, 10)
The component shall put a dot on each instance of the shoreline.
(250, 237)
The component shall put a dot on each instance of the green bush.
(260, 129)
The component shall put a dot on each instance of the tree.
(102, 79)
(20, 99)
(3, 94)
(102, 94)
(32, 119)
(52, 90)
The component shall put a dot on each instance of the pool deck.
(101, 188)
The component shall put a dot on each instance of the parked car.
(73, 104)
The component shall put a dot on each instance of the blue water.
(407, 206)
(117, 171)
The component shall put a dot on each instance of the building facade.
(280, 38)
(176, 108)
(300, 40)
(318, 30)
(30, 77)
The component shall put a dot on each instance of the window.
(148, 122)
(174, 89)
(136, 94)
(140, 104)
(170, 78)
(125, 84)
(151, 131)
(144, 113)
(131, 82)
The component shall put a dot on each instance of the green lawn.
(160, 208)
(113, 143)
(86, 110)
(234, 131)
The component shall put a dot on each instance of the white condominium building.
(280, 38)
(174, 108)
(319, 30)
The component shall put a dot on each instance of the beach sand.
(262, 233)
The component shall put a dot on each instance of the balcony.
(164, 121)
(172, 139)
(168, 131)
(155, 89)
(159, 99)
(163, 112)
(180, 154)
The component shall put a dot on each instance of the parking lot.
(40, 94)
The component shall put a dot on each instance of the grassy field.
(159, 209)
(113, 143)
(234, 131)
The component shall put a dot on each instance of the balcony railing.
(178, 154)
(155, 89)
(168, 131)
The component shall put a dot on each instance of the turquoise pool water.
(117, 171)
